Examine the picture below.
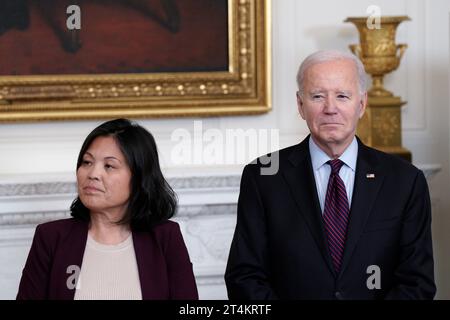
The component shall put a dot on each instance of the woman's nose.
(94, 172)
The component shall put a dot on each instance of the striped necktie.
(335, 214)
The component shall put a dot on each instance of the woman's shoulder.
(163, 235)
(166, 226)
(58, 226)
(169, 237)
(50, 234)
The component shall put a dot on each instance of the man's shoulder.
(272, 164)
(390, 162)
(281, 154)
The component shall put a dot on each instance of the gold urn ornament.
(381, 125)
(377, 49)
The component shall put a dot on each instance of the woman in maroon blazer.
(120, 243)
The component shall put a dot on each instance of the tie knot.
(335, 165)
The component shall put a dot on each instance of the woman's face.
(104, 178)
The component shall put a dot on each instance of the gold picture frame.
(243, 89)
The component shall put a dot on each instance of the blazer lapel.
(368, 180)
(70, 254)
(151, 265)
(143, 260)
(301, 181)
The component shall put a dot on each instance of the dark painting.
(116, 36)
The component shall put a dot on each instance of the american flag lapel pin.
(370, 175)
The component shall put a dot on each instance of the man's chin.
(332, 138)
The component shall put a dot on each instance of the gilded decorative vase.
(377, 49)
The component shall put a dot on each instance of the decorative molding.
(14, 236)
(207, 209)
(207, 182)
(58, 188)
(212, 235)
(184, 212)
(430, 170)
(52, 188)
(37, 189)
(31, 218)
(208, 280)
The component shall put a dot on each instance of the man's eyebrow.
(316, 91)
(348, 92)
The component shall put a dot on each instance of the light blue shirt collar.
(319, 157)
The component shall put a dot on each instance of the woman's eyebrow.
(112, 158)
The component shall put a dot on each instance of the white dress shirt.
(322, 170)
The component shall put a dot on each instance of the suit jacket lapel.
(301, 181)
(365, 191)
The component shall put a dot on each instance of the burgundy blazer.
(165, 270)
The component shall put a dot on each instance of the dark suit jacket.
(279, 249)
(165, 271)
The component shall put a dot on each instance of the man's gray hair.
(331, 55)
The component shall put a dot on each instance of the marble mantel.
(207, 216)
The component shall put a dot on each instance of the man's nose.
(330, 105)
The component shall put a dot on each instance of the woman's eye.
(108, 167)
(86, 162)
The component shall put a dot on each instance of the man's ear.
(300, 104)
(362, 104)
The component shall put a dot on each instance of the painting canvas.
(151, 52)
(115, 37)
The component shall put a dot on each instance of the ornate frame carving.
(244, 89)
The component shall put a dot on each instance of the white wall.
(299, 28)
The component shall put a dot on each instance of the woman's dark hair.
(152, 200)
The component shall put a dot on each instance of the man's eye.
(343, 96)
(317, 96)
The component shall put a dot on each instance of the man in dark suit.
(337, 220)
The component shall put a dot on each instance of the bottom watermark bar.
(226, 309)
(221, 309)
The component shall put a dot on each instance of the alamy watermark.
(73, 280)
(374, 19)
(73, 22)
(374, 280)
(226, 147)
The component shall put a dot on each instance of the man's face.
(331, 102)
